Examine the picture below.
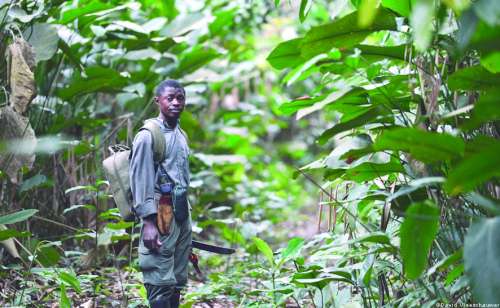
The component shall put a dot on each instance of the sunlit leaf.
(343, 33)
(71, 280)
(264, 249)
(422, 145)
(286, 54)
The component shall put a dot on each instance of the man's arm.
(142, 185)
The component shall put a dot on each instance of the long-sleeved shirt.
(144, 178)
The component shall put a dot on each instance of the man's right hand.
(150, 234)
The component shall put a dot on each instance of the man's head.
(171, 98)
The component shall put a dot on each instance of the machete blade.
(212, 248)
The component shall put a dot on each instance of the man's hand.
(150, 235)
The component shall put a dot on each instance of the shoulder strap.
(159, 145)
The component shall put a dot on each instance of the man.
(165, 243)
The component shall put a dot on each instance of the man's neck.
(170, 122)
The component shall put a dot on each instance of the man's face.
(171, 102)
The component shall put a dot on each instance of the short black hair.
(169, 83)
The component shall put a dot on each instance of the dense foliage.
(383, 114)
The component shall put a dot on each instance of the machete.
(212, 248)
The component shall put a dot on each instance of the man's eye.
(180, 98)
(170, 98)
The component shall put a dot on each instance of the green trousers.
(167, 267)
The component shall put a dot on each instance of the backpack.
(116, 169)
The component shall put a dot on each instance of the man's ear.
(155, 100)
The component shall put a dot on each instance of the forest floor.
(109, 287)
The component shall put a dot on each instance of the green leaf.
(222, 20)
(422, 145)
(71, 280)
(48, 255)
(481, 255)
(367, 12)
(264, 249)
(44, 39)
(343, 33)
(64, 301)
(303, 10)
(369, 171)
(293, 248)
(485, 110)
(376, 53)
(91, 7)
(474, 170)
(77, 206)
(421, 21)
(365, 273)
(488, 11)
(194, 59)
(9, 233)
(302, 71)
(286, 54)
(33, 182)
(491, 62)
(473, 78)
(80, 187)
(375, 237)
(417, 233)
(402, 7)
(17, 216)
(99, 79)
(370, 115)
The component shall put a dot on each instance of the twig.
(328, 194)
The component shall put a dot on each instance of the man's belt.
(212, 248)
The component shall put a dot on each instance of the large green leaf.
(474, 170)
(369, 116)
(99, 79)
(44, 39)
(194, 59)
(91, 7)
(481, 255)
(417, 233)
(491, 62)
(473, 78)
(486, 109)
(17, 216)
(376, 53)
(421, 20)
(343, 33)
(422, 145)
(402, 7)
(264, 249)
(286, 54)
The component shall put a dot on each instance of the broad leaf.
(481, 255)
(343, 33)
(194, 59)
(99, 79)
(17, 216)
(264, 249)
(64, 301)
(486, 109)
(91, 7)
(293, 248)
(9, 233)
(286, 54)
(422, 145)
(44, 39)
(474, 170)
(369, 116)
(71, 280)
(421, 20)
(402, 7)
(473, 78)
(491, 62)
(417, 233)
